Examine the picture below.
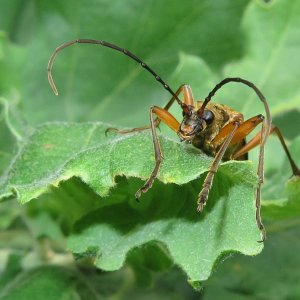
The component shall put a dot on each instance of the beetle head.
(193, 123)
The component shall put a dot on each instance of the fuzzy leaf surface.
(59, 151)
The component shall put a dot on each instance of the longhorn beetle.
(214, 128)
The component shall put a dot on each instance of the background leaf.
(165, 22)
(271, 275)
(60, 283)
(284, 203)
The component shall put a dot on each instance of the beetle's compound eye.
(208, 116)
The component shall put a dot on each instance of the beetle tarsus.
(138, 195)
(202, 200)
(109, 130)
(263, 234)
(143, 189)
(296, 171)
(200, 207)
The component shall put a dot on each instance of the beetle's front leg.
(170, 121)
(188, 100)
(125, 131)
(203, 195)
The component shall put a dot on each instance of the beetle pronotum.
(215, 128)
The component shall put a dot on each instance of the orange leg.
(203, 195)
(241, 132)
(244, 129)
(170, 121)
(188, 98)
(228, 135)
(255, 141)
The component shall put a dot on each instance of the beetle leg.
(169, 120)
(260, 173)
(188, 98)
(203, 195)
(255, 141)
(124, 131)
(244, 129)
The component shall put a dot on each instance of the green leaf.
(49, 283)
(194, 242)
(271, 60)
(42, 225)
(59, 151)
(12, 269)
(57, 202)
(284, 208)
(48, 157)
(283, 203)
(289, 123)
(146, 260)
(8, 214)
(271, 275)
(113, 82)
(8, 139)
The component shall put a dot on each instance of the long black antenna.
(266, 127)
(109, 45)
(260, 95)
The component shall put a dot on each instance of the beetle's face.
(192, 125)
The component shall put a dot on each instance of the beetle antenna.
(108, 45)
(260, 95)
